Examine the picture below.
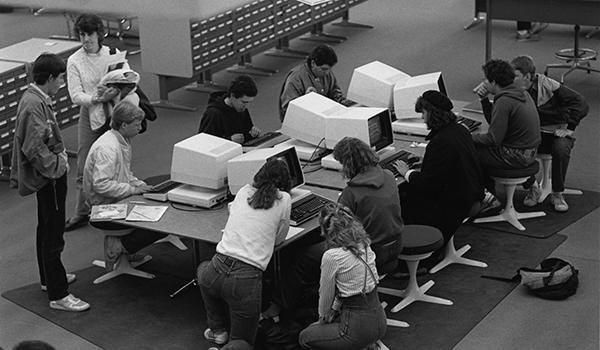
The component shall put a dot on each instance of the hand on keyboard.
(414, 162)
(401, 167)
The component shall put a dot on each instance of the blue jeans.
(231, 290)
(362, 322)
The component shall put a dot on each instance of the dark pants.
(501, 157)
(49, 237)
(362, 322)
(231, 290)
(560, 149)
(523, 25)
(136, 240)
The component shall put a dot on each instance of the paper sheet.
(146, 213)
(293, 232)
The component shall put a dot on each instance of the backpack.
(556, 279)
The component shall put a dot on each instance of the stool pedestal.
(123, 267)
(546, 182)
(453, 256)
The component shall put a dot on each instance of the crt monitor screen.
(380, 130)
(290, 157)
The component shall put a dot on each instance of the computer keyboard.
(262, 139)
(402, 155)
(471, 124)
(306, 208)
(159, 191)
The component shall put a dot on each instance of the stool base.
(123, 266)
(453, 256)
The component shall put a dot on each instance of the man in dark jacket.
(227, 116)
(560, 109)
(514, 126)
(450, 180)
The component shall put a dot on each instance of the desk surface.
(205, 225)
(582, 12)
(27, 51)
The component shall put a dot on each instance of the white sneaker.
(533, 196)
(559, 202)
(217, 338)
(69, 303)
(70, 279)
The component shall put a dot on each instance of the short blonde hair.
(125, 112)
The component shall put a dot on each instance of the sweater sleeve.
(292, 89)
(47, 163)
(75, 84)
(329, 269)
(498, 126)
(103, 181)
(573, 106)
(284, 223)
(437, 162)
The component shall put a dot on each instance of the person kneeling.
(107, 179)
(348, 287)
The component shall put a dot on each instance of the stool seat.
(515, 173)
(421, 239)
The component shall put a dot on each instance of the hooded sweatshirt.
(514, 120)
(221, 120)
(373, 197)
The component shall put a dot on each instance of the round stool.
(122, 265)
(576, 57)
(510, 178)
(419, 242)
(546, 183)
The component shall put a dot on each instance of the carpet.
(129, 312)
(553, 222)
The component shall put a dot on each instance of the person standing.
(560, 109)
(85, 69)
(40, 166)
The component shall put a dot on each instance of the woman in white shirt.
(231, 283)
(350, 314)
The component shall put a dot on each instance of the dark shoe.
(76, 222)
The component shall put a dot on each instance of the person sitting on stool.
(107, 179)
(442, 193)
(514, 125)
(559, 106)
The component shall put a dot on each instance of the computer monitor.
(241, 169)
(369, 124)
(373, 84)
(305, 117)
(405, 95)
(201, 160)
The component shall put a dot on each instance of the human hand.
(310, 89)
(65, 156)
(483, 89)
(107, 94)
(239, 138)
(401, 167)
(563, 133)
(142, 189)
(329, 317)
(255, 132)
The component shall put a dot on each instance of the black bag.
(147, 107)
(556, 279)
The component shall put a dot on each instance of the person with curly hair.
(231, 283)
(350, 313)
(450, 181)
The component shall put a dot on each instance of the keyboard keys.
(307, 208)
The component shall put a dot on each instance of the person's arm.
(486, 107)
(284, 223)
(572, 105)
(335, 92)
(497, 129)
(437, 163)
(75, 85)
(49, 164)
(293, 88)
(327, 284)
(346, 199)
(103, 174)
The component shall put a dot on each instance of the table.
(582, 12)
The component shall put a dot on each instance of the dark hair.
(437, 117)
(33, 345)
(524, 64)
(47, 65)
(89, 23)
(355, 156)
(323, 54)
(273, 175)
(125, 112)
(243, 85)
(500, 72)
(341, 229)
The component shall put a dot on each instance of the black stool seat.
(515, 173)
(421, 239)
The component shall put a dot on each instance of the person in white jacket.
(107, 178)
